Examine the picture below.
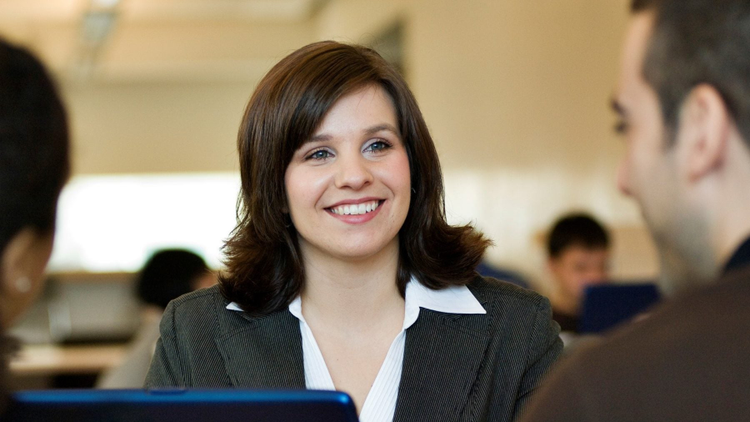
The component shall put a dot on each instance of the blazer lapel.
(442, 358)
(265, 352)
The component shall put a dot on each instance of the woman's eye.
(378, 146)
(320, 154)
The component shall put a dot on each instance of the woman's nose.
(353, 173)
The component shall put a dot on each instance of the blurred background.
(516, 95)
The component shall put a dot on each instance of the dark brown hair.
(576, 229)
(694, 42)
(265, 270)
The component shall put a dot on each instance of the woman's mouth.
(356, 209)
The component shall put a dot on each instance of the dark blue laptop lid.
(179, 405)
(608, 305)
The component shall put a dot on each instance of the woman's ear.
(22, 263)
(705, 124)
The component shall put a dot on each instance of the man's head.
(578, 256)
(684, 100)
(34, 165)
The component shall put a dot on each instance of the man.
(684, 101)
(577, 257)
(34, 165)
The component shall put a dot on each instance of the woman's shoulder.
(208, 309)
(508, 302)
(514, 309)
(488, 289)
(209, 296)
(199, 301)
(199, 310)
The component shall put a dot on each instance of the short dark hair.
(265, 271)
(577, 229)
(699, 41)
(169, 274)
(34, 146)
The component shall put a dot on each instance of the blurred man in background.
(684, 101)
(577, 257)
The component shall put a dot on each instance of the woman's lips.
(356, 213)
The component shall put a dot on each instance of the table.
(52, 360)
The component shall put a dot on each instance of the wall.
(148, 107)
(156, 127)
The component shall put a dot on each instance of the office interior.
(516, 95)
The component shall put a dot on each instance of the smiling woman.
(356, 170)
(343, 273)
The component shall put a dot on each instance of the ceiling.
(147, 40)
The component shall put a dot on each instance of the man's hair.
(169, 274)
(576, 230)
(34, 162)
(699, 41)
(265, 270)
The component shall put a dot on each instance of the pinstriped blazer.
(456, 367)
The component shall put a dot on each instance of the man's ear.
(704, 130)
(22, 263)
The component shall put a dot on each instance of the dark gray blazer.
(456, 367)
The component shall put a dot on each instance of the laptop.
(608, 305)
(181, 405)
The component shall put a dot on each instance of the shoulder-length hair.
(264, 266)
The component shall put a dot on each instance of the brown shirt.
(689, 361)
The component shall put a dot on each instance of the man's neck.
(732, 207)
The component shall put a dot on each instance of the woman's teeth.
(356, 209)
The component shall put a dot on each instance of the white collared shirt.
(380, 404)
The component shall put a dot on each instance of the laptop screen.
(179, 405)
(607, 305)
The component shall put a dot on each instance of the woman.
(343, 273)
(33, 169)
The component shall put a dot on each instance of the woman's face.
(349, 187)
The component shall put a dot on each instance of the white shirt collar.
(450, 300)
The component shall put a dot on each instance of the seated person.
(578, 256)
(167, 275)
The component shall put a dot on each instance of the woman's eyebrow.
(369, 131)
(381, 127)
(318, 138)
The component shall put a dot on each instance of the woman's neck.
(352, 293)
